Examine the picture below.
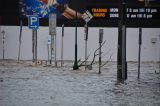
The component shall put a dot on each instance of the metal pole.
(62, 62)
(52, 48)
(55, 51)
(33, 43)
(85, 54)
(3, 48)
(1, 29)
(100, 46)
(124, 63)
(48, 46)
(20, 40)
(52, 32)
(139, 54)
(75, 67)
(121, 56)
(159, 53)
(3, 44)
(99, 58)
(119, 52)
(86, 45)
(123, 52)
(48, 51)
(36, 46)
(3, 41)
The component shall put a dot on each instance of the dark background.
(10, 15)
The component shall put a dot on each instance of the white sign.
(87, 16)
(101, 35)
(52, 24)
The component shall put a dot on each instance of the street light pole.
(75, 67)
(121, 56)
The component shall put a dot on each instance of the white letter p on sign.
(33, 20)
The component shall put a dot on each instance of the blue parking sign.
(33, 22)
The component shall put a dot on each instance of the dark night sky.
(9, 13)
(9, 7)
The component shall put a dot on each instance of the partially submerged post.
(52, 32)
(33, 23)
(75, 66)
(62, 62)
(3, 41)
(86, 39)
(20, 40)
(159, 53)
(139, 53)
(48, 47)
(34, 32)
(87, 16)
(124, 53)
(121, 55)
(100, 46)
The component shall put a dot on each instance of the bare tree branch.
(79, 60)
(107, 60)
(97, 53)
(84, 61)
(99, 47)
(106, 53)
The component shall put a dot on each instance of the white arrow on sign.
(34, 26)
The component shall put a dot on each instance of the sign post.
(139, 53)
(100, 46)
(33, 23)
(86, 39)
(87, 16)
(3, 40)
(48, 47)
(52, 32)
(20, 40)
(35, 45)
(62, 62)
(159, 53)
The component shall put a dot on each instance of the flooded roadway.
(25, 85)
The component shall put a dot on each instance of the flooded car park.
(27, 85)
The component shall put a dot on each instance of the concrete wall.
(150, 51)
